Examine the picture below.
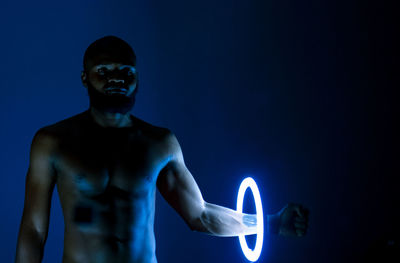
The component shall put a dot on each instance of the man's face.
(112, 84)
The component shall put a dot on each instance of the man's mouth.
(116, 90)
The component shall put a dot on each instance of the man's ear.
(84, 78)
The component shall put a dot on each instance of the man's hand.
(293, 220)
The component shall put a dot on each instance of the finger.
(301, 222)
(298, 210)
(300, 232)
(300, 219)
(301, 226)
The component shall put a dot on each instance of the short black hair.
(110, 45)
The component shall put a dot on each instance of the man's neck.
(107, 119)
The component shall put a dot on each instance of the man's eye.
(131, 74)
(101, 71)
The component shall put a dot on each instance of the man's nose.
(116, 76)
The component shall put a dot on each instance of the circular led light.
(251, 255)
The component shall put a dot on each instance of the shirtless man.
(107, 165)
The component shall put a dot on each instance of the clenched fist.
(290, 221)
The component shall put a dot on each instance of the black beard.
(114, 103)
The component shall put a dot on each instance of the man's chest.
(90, 163)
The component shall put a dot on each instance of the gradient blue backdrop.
(300, 94)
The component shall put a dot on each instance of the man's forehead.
(106, 59)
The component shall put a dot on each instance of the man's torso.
(106, 180)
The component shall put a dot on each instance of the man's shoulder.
(162, 138)
(62, 130)
(64, 126)
(152, 130)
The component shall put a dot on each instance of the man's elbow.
(30, 245)
(203, 224)
(196, 224)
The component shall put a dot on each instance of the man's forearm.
(222, 221)
(30, 246)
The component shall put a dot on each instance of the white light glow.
(251, 255)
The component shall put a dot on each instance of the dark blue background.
(300, 94)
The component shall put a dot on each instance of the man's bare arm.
(180, 190)
(39, 186)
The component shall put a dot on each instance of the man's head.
(109, 73)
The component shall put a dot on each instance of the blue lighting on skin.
(251, 255)
(162, 164)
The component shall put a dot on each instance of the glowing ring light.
(251, 255)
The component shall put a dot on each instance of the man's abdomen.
(81, 247)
